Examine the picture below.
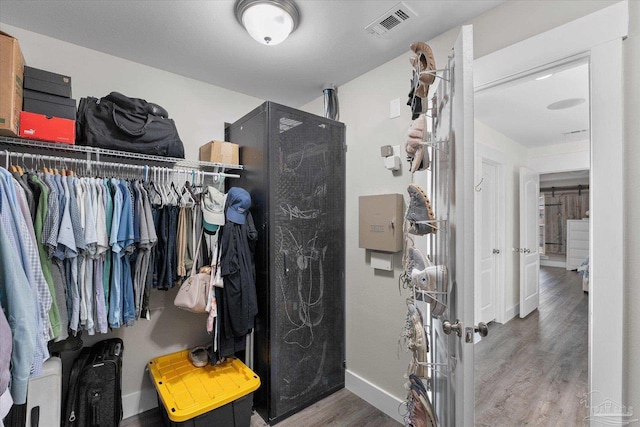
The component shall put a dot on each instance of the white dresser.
(577, 242)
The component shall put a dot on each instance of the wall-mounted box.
(381, 218)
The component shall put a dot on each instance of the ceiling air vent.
(390, 20)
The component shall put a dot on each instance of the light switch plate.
(394, 108)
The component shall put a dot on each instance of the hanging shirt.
(21, 308)
(82, 265)
(16, 229)
(57, 180)
(101, 221)
(115, 295)
(126, 238)
(108, 211)
(44, 249)
(66, 239)
(72, 265)
(52, 217)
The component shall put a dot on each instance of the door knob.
(447, 327)
(481, 329)
(527, 251)
(496, 251)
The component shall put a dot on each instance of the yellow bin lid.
(188, 392)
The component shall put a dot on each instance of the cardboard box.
(220, 152)
(43, 128)
(49, 105)
(47, 82)
(381, 218)
(11, 76)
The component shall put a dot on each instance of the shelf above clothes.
(101, 154)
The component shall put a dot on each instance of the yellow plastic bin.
(212, 396)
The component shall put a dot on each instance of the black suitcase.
(94, 398)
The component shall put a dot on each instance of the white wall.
(564, 157)
(632, 205)
(199, 110)
(514, 156)
(374, 310)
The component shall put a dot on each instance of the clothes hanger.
(45, 169)
(21, 167)
(154, 187)
(186, 191)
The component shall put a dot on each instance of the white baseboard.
(511, 313)
(138, 402)
(373, 394)
(552, 263)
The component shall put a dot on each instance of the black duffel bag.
(121, 123)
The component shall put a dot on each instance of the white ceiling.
(519, 110)
(203, 40)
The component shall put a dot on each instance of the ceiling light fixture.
(546, 76)
(268, 21)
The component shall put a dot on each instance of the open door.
(459, 407)
(529, 256)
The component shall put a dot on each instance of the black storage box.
(211, 396)
(47, 82)
(234, 414)
(48, 105)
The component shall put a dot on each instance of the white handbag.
(194, 291)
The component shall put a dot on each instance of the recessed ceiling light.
(546, 76)
(566, 103)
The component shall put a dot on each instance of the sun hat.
(213, 201)
(238, 204)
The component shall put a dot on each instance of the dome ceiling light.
(566, 103)
(268, 21)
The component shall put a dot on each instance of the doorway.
(564, 197)
(536, 125)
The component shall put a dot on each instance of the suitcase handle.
(95, 401)
(35, 416)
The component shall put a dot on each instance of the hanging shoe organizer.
(430, 289)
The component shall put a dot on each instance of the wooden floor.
(341, 409)
(533, 371)
(529, 371)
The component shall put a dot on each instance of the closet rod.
(566, 188)
(142, 168)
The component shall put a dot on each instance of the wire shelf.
(98, 154)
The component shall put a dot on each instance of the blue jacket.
(19, 306)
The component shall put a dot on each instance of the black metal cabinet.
(294, 170)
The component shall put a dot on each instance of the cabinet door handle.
(286, 268)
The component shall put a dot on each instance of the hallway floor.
(533, 371)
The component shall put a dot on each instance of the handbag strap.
(197, 253)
